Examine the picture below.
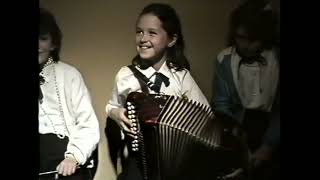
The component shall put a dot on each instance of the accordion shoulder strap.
(143, 80)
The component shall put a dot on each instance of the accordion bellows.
(177, 138)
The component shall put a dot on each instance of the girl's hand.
(118, 114)
(67, 167)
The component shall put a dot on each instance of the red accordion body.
(179, 138)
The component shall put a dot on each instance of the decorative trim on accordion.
(175, 112)
(133, 119)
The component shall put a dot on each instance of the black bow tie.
(158, 81)
(259, 59)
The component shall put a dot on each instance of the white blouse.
(67, 110)
(256, 84)
(181, 83)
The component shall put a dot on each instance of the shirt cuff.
(71, 156)
(77, 155)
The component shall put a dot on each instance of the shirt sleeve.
(221, 100)
(85, 137)
(123, 85)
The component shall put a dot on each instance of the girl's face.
(45, 47)
(151, 39)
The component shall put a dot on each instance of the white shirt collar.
(149, 72)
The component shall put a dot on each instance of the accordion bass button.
(132, 107)
(129, 103)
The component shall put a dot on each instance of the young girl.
(68, 126)
(160, 46)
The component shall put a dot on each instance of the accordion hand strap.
(143, 80)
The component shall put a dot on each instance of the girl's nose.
(144, 38)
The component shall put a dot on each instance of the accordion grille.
(173, 133)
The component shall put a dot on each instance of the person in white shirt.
(160, 46)
(68, 126)
(247, 85)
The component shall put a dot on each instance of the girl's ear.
(173, 40)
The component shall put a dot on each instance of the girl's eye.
(153, 33)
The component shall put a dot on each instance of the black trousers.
(52, 153)
(130, 170)
(255, 124)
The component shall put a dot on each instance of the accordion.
(176, 138)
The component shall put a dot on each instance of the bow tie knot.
(261, 60)
(160, 78)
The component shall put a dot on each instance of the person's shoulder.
(223, 53)
(180, 71)
(123, 72)
(68, 70)
(66, 66)
(181, 74)
(272, 53)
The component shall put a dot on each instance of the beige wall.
(99, 39)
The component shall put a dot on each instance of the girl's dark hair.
(171, 24)
(48, 25)
(260, 24)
